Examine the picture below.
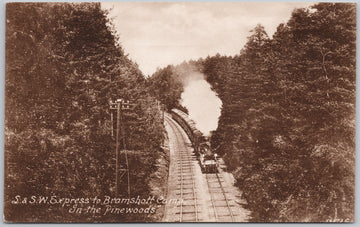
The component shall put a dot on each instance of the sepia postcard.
(179, 112)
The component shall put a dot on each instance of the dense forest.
(64, 65)
(286, 130)
(167, 84)
(287, 124)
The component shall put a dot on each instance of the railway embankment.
(159, 179)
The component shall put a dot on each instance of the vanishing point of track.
(220, 207)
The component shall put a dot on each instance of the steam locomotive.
(202, 148)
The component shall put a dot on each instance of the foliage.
(287, 128)
(167, 87)
(63, 66)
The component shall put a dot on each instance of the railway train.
(202, 148)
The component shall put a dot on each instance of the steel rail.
(194, 193)
(181, 162)
(212, 198)
(227, 201)
(173, 125)
(181, 178)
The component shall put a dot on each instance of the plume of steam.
(203, 104)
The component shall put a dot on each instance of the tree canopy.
(64, 65)
(287, 124)
(287, 129)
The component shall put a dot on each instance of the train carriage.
(207, 159)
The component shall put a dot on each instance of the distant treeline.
(287, 125)
(63, 66)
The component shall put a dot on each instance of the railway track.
(220, 203)
(204, 197)
(186, 188)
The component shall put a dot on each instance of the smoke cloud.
(203, 104)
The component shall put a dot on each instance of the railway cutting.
(197, 178)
